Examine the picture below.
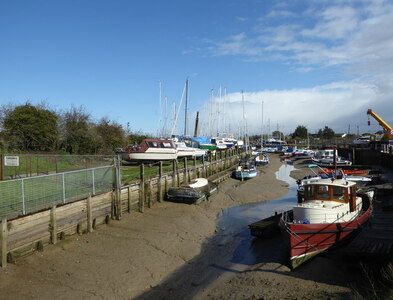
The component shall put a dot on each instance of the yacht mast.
(185, 110)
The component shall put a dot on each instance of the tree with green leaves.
(76, 130)
(30, 128)
(277, 134)
(326, 133)
(300, 132)
(109, 135)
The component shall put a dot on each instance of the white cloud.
(339, 34)
(336, 105)
(352, 36)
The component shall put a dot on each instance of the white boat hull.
(153, 155)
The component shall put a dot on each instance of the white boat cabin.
(328, 201)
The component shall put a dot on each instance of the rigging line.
(178, 110)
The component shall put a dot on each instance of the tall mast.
(160, 131)
(262, 125)
(185, 111)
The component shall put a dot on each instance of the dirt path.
(160, 255)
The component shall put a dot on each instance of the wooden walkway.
(376, 238)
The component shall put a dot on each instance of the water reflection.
(234, 220)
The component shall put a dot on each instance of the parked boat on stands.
(150, 150)
(245, 170)
(184, 151)
(205, 143)
(194, 192)
(331, 213)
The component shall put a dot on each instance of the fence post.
(94, 184)
(119, 210)
(64, 194)
(142, 189)
(23, 197)
(1, 166)
(4, 239)
(53, 225)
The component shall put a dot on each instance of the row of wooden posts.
(103, 206)
(216, 163)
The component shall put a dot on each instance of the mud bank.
(172, 252)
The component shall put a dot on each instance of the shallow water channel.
(232, 249)
(233, 221)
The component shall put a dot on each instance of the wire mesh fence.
(32, 194)
(30, 165)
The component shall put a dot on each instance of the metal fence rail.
(27, 195)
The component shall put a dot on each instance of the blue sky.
(311, 63)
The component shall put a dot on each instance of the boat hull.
(245, 174)
(194, 193)
(151, 156)
(305, 241)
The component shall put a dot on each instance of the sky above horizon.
(257, 64)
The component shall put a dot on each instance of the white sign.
(11, 161)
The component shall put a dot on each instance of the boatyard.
(205, 251)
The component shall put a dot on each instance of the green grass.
(35, 164)
(44, 191)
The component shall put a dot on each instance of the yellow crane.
(388, 130)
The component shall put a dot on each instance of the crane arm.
(381, 122)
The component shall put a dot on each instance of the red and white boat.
(151, 150)
(331, 212)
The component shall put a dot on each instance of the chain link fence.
(32, 194)
(14, 166)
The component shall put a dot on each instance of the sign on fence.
(11, 161)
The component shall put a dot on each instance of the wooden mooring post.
(195, 174)
(129, 198)
(185, 178)
(89, 215)
(53, 225)
(149, 194)
(159, 183)
(177, 173)
(174, 173)
(142, 189)
(4, 240)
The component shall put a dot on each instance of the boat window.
(308, 192)
(323, 192)
(338, 192)
(152, 144)
(166, 145)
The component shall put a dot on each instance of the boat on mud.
(332, 212)
(261, 160)
(245, 170)
(194, 192)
